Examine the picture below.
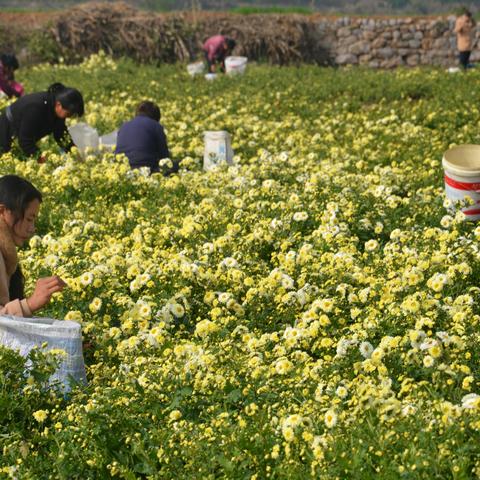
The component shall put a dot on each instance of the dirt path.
(26, 19)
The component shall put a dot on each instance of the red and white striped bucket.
(462, 177)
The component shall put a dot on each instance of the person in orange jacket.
(464, 28)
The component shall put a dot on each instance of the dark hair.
(465, 11)
(149, 109)
(70, 98)
(10, 60)
(16, 288)
(16, 193)
(230, 43)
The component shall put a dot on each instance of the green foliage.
(42, 47)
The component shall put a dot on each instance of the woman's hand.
(44, 289)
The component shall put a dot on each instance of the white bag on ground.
(196, 68)
(211, 76)
(22, 334)
(109, 140)
(218, 149)
(83, 136)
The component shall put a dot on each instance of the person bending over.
(36, 115)
(216, 49)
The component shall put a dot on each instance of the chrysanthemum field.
(311, 312)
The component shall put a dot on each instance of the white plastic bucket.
(235, 65)
(462, 177)
(109, 140)
(218, 149)
(196, 68)
(83, 136)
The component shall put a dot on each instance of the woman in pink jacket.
(216, 49)
(8, 85)
(19, 207)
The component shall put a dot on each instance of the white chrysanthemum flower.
(208, 247)
(51, 261)
(145, 310)
(283, 366)
(224, 297)
(428, 361)
(300, 216)
(276, 224)
(341, 391)
(287, 282)
(444, 337)
(330, 418)
(371, 245)
(326, 304)
(166, 162)
(177, 310)
(229, 262)
(366, 349)
(446, 221)
(437, 282)
(86, 278)
(471, 401)
(447, 203)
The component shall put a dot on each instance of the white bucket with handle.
(235, 65)
(84, 136)
(462, 177)
(218, 149)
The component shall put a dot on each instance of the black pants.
(219, 62)
(5, 134)
(464, 57)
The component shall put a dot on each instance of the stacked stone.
(389, 43)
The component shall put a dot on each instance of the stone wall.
(389, 43)
(279, 39)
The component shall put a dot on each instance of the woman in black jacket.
(34, 116)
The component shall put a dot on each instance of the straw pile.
(120, 29)
(279, 39)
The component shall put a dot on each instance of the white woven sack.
(22, 334)
(109, 140)
(84, 136)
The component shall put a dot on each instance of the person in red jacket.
(216, 49)
(8, 65)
